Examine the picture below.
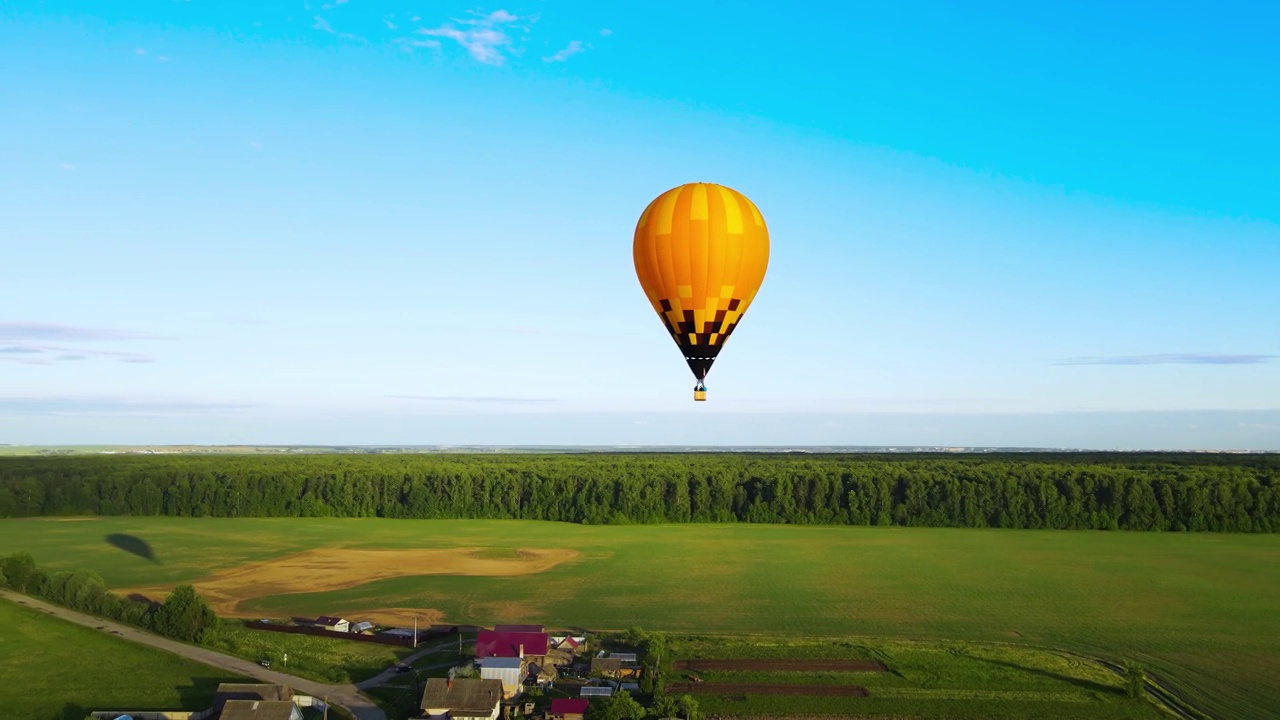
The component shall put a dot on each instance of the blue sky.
(384, 222)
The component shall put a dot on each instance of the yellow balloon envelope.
(701, 251)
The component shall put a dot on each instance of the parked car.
(265, 663)
(401, 668)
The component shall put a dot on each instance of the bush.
(1135, 680)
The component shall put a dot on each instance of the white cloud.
(323, 25)
(66, 166)
(163, 58)
(573, 48)
(485, 39)
(410, 43)
(139, 51)
(390, 25)
(606, 32)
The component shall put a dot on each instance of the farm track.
(797, 665)
(348, 696)
(707, 688)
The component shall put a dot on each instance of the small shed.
(362, 627)
(568, 708)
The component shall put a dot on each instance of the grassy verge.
(53, 669)
(328, 660)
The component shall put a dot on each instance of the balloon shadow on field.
(1083, 683)
(133, 545)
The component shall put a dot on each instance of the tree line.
(1109, 491)
(183, 615)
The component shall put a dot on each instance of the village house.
(236, 701)
(507, 670)
(332, 623)
(613, 667)
(492, 643)
(568, 643)
(260, 710)
(264, 692)
(568, 708)
(451, 699)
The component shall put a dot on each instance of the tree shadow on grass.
(72, 711)
(133, 545)
(1091, 685)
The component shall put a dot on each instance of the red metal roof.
(569, 706)
(491, 643)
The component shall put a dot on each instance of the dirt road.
(348, 696)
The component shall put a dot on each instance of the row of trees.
(182, 616)
(1230, 493)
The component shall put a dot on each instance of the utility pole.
(326, 707)
(415, 631)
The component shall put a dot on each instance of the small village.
(511, 671)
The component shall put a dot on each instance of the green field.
(935, 680)
(1201, 610)
(56, 670)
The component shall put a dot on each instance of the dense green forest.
(1232, 493)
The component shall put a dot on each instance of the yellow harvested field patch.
(326, 569)
(398, 616)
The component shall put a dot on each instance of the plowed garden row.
(769, 665)
(708, 688)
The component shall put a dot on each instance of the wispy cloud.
(410, 43)
(107, 405)
(323, 26)
(51, 354)
(66, 166)
(573, 48)
(21, 330)
(390, 25)
(140, 51)
(34, 343)
(606, 32)
(471, 399)
(485, 39)
(1170, 359)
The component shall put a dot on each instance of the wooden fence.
(404, 641)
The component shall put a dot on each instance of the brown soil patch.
(767, 665)
(397, 617)
(327, 569)
(706, 688)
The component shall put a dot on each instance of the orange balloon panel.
(701, 251)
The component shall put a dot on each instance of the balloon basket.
(700, 395)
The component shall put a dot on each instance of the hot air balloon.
(701, 251)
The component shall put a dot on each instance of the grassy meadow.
(56, 670)
(1200, 610)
